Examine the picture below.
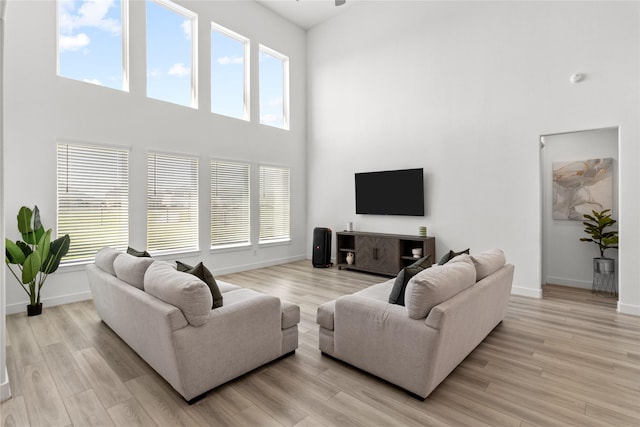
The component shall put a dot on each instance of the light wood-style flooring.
(567, 359)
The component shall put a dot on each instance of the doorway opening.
(579, 174)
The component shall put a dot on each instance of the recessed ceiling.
(305, 13)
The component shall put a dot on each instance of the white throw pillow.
(183, 290)
(131, 269)
(437, 284)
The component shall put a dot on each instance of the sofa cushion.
(226, 287)
(437, 284)
(324, 316)
(203, 273)
(105, 258)
(290, 314)
(379, 291)
(451, 255)
(183, 290)
(399, 286)
(135, 252)
(488, 262)
(131, 269)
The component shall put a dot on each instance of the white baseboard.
(583, 284)
(526, 292)
(633, 310)
(50, 302)
(5, 389)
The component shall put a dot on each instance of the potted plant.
(35, 255)
(596, 227)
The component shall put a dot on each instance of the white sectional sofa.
(449, 310)
(166, 317)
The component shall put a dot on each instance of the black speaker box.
(321, 247)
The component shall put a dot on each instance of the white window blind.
(274, 204)
(230, 203)
(172, 203)
(93, 199)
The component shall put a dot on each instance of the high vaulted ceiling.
(305, 13)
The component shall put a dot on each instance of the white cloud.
(186, 28)
(91, 13)
(226, 60)
(179, 70)
(94, 81)
(74, 43)
(276, 102)
(155, 73)
(271, 119)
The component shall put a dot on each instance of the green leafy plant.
(595, 227)
(36, 256)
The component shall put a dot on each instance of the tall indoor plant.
(596, 226)
(35, 255)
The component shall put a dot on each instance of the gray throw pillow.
(203, 273)
(135, 252)
(400, 285)
(451, 255)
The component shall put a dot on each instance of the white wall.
(464, 90)
(567, 260)
(5, 390)
(41, 107)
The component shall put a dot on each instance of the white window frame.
(124, 12)
(246, 58)
(285, 85)
(239, 243)
(274, 239)
(119, 239)
(187, 14)
(152, 156)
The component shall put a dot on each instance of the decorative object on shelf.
(578, 186)
(349, 226)
(36, 256)
(416, 252)
(422, 231)
(603, 268)
(350, 258)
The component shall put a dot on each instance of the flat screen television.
(397, 192)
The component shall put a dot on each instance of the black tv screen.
(398, 192)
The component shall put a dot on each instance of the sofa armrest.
(466, 319)
(241, 335)
(290, 314)
(380, 338)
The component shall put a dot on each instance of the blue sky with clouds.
(90, 50)
(227, 75)
(90, 41)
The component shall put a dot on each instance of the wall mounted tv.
(397, 192)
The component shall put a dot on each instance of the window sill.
(275, 242)
(230, 247)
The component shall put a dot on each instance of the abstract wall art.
(582, 186)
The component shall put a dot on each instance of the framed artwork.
(582, 186)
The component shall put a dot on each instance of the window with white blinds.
(93, 199)
(230, 204)
(275, 205)
(172, 203)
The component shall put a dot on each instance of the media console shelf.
(380, 253)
